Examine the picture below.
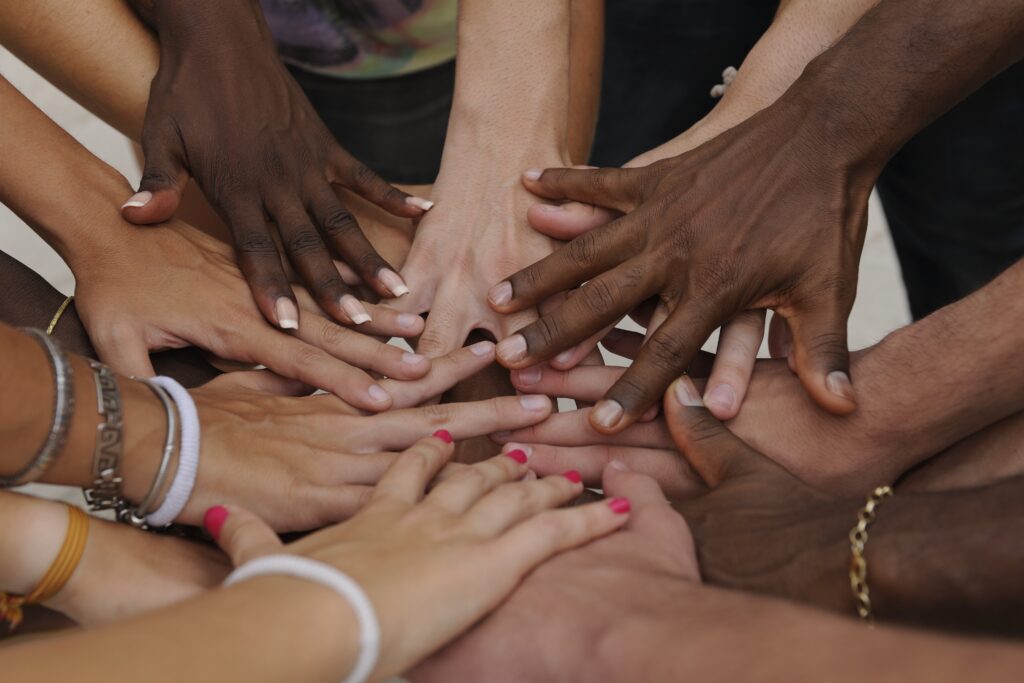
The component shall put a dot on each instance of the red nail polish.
(619, 506)
(444, 435)
(214, 520)
(573, 476)
(517, 455)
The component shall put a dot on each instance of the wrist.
(202, 26)
(34, 531)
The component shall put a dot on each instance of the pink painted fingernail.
(444, 435)
(214, 520)
(529, 376)
(534, 402)
(686, 393)
(412, 358)
(482, 349)
(607, 413)
(354, 309)
(138, 200)
(287, 314)
(419, 203)
(722, 397)
(573, 476)
(518, 447)
(517, 455)
(620, 506)
(532, 173)
(513, 349)
(377, 394)
(500, 293)
(393, 282)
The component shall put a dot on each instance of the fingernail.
(573, 476)
(607, 413)
(408, 320)
(618, 465)
(518, 456)
(529, 376)
(687, 394)
(721, 397)
(838, 382)
(393, 282)
(620, 506)
(444, 435)
(550, 208)
(420, 203)
(137, 200)
(534, 402)
(377, 393)
(354, 310)
(287, 314)
(518, 447)
(482, 349)
(412, 358)
(500, 293)
(565, 356)
(532, 173)
(513, 349)
(214, 520)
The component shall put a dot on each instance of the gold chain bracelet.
(56, 316)
(858, 540)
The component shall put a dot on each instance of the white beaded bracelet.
(326, 575)
(188, 455)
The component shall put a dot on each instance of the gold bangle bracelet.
(858, 541)
(55, 578)
(56, 316)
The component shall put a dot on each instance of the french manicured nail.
(214, 520)
(573, 476)
(620, 506)
(565, 356)
(838, 382)
(607, 413)
(534, 402)
(420, 203)
(412, 358)
(287, 314)
(354, 310)
(687, 394)
(518, 447)
(138, 200)
(529, 376)
(444, 435)
(519, 456)
(550, 208)
(618, 465)
(393, 282)
(408, 321)
(500, 293)
(482, 349)
(722, 397)
(377, 393)
(513, 349)
(532, 173)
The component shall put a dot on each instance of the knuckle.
(664, 352)
(548, 330)
(332, 336)
(255, 243)
(438, 414)
(340, 224)
(515, 495)
(582, 251)
(362, 175)
(599, 296)
(304, 240)
(555, 526)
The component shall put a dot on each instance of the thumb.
(821, 357)
(163, 182)
(567, 221)
(240, 534)
(712, 450)
(616, 188)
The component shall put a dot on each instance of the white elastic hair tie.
(326, 575)
(188, 458)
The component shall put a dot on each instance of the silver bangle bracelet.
(136, 516)
(105, 493)
(63, 408)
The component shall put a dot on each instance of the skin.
(752, 235)
(401, 549)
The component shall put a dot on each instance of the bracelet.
(64, 406)
(136, 516)
(105, 493)
(57, 576)
(858, 541)
(188, 455)
(56, 316)
(326, 575)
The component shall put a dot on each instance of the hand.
(224, 110)
(211, 309)
(564, 611)
(712, 234)
(434, 564)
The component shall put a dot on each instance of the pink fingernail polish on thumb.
(619, 506)
(214, 520)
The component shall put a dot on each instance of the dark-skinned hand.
(763, 216)
(224, 110)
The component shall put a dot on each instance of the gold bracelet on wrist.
(858, 541)
(56, 316)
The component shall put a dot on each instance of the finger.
(586, 383)
(444, 331)
(123, 349)
(384, 320)
(163, 179)
(599, 303)
(625, 343)
(406, 481)
(260, 381)
(780, 339)
(615, 188)
(515, 502)
(242, 535)
(580, 260)
(397, 429)
(662, 358)
(713, 451)
(445, 372)
(361, 350)
(359, 178)
(569, 359)
(573, 428)
(822, 358)
(569, 220)
(734, 363)
(458, 492)
(260, 263)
